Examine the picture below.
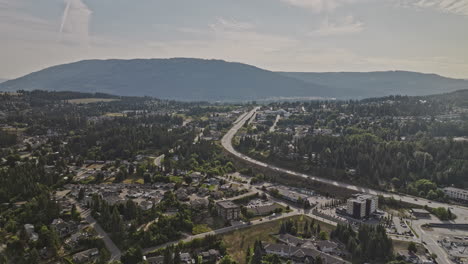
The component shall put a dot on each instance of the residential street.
(86, 214)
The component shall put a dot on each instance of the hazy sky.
(288, 35)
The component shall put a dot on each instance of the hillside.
(375, 84)
(181, 79)
(216, 80)
(458, 98)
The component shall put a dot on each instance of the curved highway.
(226, 141)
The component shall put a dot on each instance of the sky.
(428, 36)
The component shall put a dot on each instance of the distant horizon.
(3, 78)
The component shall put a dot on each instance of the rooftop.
(227, 204)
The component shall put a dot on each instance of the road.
(226, 142)
(431, 242)
(273, 127)
(460, 211)
(295, 210)
(198, 136)
(86, 214)
(158, 160)
(223, 230)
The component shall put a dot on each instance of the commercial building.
(420, 213)
(362, 205)
(456, 193)
(228, 210)
(289, 195)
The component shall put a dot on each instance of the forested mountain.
(374, 84)
(458, 98)
(182, 79)
(217, 80)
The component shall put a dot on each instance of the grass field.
(91, 100)
(133, 180)
(238, 241)
(176, 179)
(115, 114)
(198, 229)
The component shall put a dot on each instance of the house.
(290, 240)
(300, 254)
(63, 228)
(228, 210)
(182, 194)
(29, 229)
(327, 246)
(154, 260)
(186, 258)
(113, 199)
(210, 255)
(196, 176)
(212, 181)
(264, 209)
(146, 205)
(409, 257)
(75, 238)
(86, 256)
(199, 203)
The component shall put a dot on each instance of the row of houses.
(209, 256)
(301, 254)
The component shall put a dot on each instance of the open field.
(134, 180)
(115, 114)
(238, 241)
(10, 93)
(199, 229)
(91, 100)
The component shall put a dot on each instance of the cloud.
(75, 22)
(459, 7)
(232, 24)
(320, 5)
(348, 25)
(244, 34)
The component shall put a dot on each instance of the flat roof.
(455, 189)
(419, 211)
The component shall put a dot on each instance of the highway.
(460, 211)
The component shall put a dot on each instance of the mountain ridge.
(178, 78)
(192, 79)
(363, 84)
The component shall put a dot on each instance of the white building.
(456, 193)
(362, 205)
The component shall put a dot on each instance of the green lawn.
(176, 179)
(198, 229)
